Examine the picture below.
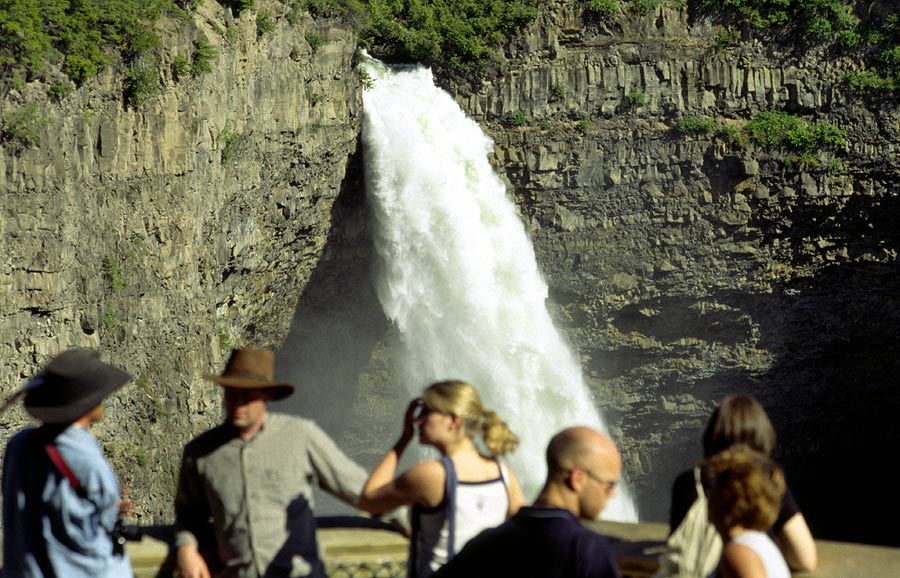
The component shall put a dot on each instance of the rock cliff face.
(687, 267)
(165, 234)
(682, 267)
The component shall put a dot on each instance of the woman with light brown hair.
(456, 497)
(738, 421)
(744, 489)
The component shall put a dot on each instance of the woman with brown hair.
(739, 420)
(456, 497)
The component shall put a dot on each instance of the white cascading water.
(459, 276)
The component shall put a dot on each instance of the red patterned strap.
(62, 466)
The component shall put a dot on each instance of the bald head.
(575, 446)
(583, 468)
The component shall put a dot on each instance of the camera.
(123, 533)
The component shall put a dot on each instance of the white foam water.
(458, 275)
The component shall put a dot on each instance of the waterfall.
(458, 275)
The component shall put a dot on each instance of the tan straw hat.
(252, 369)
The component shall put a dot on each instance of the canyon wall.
(682, 266)
(165, 234)
(231, 211)
(688, 266)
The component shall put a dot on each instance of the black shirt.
(535, 543)
(684, 493)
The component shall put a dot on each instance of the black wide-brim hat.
(71, 385)
(252, 369)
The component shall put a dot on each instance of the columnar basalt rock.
(687, 266)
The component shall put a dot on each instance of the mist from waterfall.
(458, 275)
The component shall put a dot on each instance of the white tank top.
(479, 505)
(771, 556)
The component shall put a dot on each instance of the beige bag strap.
(694, 548)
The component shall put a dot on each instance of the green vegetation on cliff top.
(853, 26)
(81, 37)
(820, 19)
(448, 32)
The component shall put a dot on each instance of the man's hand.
(190, 563)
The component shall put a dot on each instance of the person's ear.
(574, 479)
(456, 421)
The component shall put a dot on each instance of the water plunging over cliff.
(458, 275)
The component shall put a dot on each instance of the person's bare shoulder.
(426, 480)
(740, 561)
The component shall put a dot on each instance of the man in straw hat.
(243, 504)
(60, 495)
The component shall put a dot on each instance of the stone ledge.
(636, 546)
(641, 543)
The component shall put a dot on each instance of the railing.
(359, 548)
(352, 547)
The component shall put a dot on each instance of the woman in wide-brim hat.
(73, 384)
(61, 497)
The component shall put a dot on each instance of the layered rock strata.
(682, 266)
(688, 266)
(165, 234)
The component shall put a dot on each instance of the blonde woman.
(456, 497)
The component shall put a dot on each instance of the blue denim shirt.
(49, 530)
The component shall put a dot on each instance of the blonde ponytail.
(498, 438)
(460, 398)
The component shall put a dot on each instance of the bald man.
(546, 540)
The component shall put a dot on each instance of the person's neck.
(552, 496)
(83, 422)
(734, 532)
(460, 448)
